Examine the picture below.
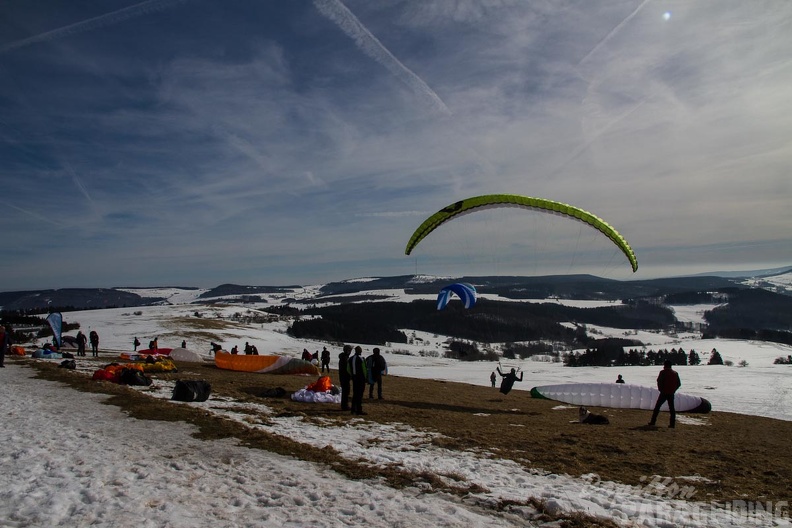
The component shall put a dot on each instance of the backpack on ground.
(191, 391)
(277, 392)
(68, 364)
(130, 376)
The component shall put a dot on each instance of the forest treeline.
(489, 322)
(612, 353)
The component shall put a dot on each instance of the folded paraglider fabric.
(305, 395)
(264, 364)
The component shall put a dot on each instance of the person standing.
(359, 377)
(668, 383)
(325, 360)
(5, 343)
(136, 342)
(81, 343)
(94, 338)
(493, 378)
(377, 367)
(343, 376)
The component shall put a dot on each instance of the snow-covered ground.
(69, 461)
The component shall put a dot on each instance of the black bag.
(68, 364)
(133, 377)
(191, 390)
(277, 392)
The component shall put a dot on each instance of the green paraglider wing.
(513, 200)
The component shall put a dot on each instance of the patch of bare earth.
(723, 457)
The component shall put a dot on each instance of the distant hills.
(514, 287)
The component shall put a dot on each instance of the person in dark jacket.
(377, 367)
(359, 376)
(508, 380)
(94, 338)
(493, 379)
(668, 383)
(343, 376)
(5, 343)
(620, 379)
(81, 340)
(325, 360)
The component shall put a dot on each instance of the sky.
(113, 474)
(195, 143)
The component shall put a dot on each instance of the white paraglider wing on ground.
(617, 396)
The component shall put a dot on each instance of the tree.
(715, 358)
(693, 358)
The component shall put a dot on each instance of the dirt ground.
(717, 456)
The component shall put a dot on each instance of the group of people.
(355, 372)
(93, 337)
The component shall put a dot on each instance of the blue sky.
(194, 143)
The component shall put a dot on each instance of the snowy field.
(70, 461)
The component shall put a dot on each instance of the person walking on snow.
(668, 383)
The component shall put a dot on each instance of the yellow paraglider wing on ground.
(527, 202)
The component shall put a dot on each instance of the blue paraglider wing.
(466, 292)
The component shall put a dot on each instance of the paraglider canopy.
(463, 290)
(478, 203)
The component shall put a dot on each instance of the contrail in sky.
(33, 214)
(78, 182)
(337, 12)
(615, 30)
(582, 148)
(143, 8)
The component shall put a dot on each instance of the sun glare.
(667, 15)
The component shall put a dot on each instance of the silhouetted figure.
(508, 380)
(81, 340)
(325, 360)
(94, 339)
(377, 367)
(343, 376)
(620, 379)
(358, 376)
(668, 383)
